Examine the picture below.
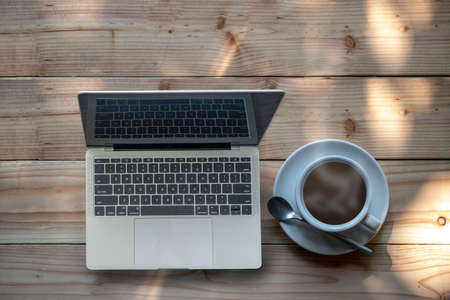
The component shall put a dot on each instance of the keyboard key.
(188, 199)
(224, 209)
(235, 209)
(229, 167)
(131, 168)
(115, 178)
(126, 178)
(110, 210)
(191, 178)
(202, 178)
(246, 177)
(129, 189)
(175, 168)
(210, 199)
(167, 199)
(246, 209)
(239, 199)
(224, 178)
(137, 178)
(221, 199)
(105, 200)
(218, 167)
(205, 188)
(118, 189)
(140, 189)
(101, 160)
(178, 199)
(110, 168)
(199, 199)
(159, 178)
(216, 188)
(156, 199)
(235, 177)
(213, 210)
(196, 168)
(186, 167)
(194, 188)
(243, 167)
(167, 210)
(213, 177)
(145, 200)
(121, 210)
(123, 199)
(148, 178)
(120, 168)
(142, 168)
(207, 167)
(164, 168)
(133, 210)
(234, 158)
(134, 200)
(101, 179)
(161, 188)
(99, 211)
(172, 189)
(226, 188)
(245, 158)
(170, 178)
(180, 178)
(150, 189)
(242, 188)
(153, 168)
(183, 188)
(201, 210)
(103, 189)
(99, 168)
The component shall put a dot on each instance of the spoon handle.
(354, 244)
(342, 238)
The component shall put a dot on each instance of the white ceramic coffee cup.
(363, 218)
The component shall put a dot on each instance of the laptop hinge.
(235, 147)
(108, 147)
(180, 146)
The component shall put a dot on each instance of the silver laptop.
(172, 178)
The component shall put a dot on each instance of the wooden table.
(372, 72)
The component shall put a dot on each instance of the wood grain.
(409, 115)
(43, 202)
(288, 272)
(223, 38)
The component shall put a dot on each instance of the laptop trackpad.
(173, 243)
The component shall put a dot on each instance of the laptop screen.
(238, 117)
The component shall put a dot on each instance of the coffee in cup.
(334, 192)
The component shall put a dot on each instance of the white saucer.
(294, 166)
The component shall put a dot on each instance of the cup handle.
(371, 222)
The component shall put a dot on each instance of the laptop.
(172, 178)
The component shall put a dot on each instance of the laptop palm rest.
(173, 243)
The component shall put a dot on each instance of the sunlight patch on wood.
(389, 123)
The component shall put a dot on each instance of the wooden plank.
(43, 202)
(222, 38)
(288, 272)
(409, 115)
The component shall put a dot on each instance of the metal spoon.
(282, 210)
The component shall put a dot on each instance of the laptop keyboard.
(182, 118)
(172, 186)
